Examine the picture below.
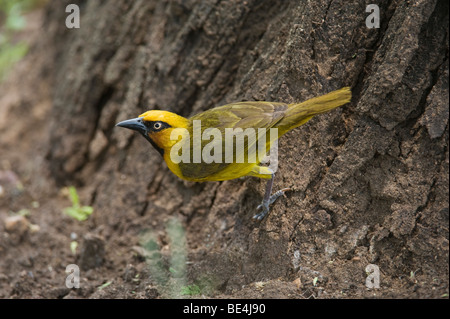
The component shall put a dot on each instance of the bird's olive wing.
(251, 114)
(242, 115)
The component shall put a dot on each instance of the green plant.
(169, 271)
(169, 275)
(191, 290)
(106, 284)
(76, 210)
(12, 19)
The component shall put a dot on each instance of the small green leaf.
(87, 210)
(15, 20)
(315, 281)
(73, 247)
(77, 212)
(106, 284)
(23, 212)
(190, 290)
(74, 196)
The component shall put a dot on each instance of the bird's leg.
(268, 199)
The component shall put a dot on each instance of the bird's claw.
(265, 209)
(265, 204)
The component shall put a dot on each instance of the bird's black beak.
(136, 124)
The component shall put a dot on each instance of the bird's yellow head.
(156, 126)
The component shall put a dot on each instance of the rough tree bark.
(370, 179)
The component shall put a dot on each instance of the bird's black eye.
(157, 125)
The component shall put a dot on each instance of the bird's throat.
(159, 149)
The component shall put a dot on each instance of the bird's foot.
(264, 206)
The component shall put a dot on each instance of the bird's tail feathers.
(299, 113)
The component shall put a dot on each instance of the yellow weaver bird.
(158, 127)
